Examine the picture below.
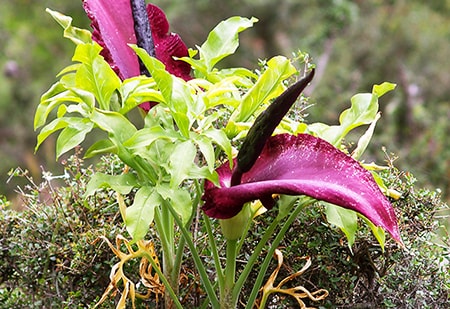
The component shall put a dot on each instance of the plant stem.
(264, 298)
(165, 226)
(259, 280)
(227, 298)
(214, 252)
(163, 278)
(209, 287)
(253, 258)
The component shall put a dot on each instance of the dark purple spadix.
(121, 22)
(265, 125)
(142, 31)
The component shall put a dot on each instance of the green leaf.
(119, 128)
(73, 135)
(76, 35)
(140, 214)
(68, 79)
(137, 90)
(146, 136)
(182, 162)
(223, 92)
(237, 130)
(85, 53)
(56, 95)
(363, 111)
(364, 140)
(157, 69)
(74, 132)
(377, 231)
(180, 199)
(268, 86)
(49, 129)
(385, 87)
(178, 96)
(159, 116)
(285, 204)
(244, 77)
(69, 69)
(220, 138)
(206, 148)
(102, 146)
(379, 182)
(345, 219)
(86, 99)
(123, 183)
(198, 66)
(62, 110)
(223, 40)
(95, 74)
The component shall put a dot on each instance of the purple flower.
(302, 165)
(295, 165)
(113, 25)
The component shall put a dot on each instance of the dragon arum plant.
(197, 115)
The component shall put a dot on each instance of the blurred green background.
(355, 44)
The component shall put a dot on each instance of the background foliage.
(355, 44)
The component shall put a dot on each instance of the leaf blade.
(140, 214)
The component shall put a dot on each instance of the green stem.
(209, 287)
(211, 239)
(182, 241)
(160, 227)
(137, 163)
(165, 226)
(264, 298)
(214, 252)
(259, 280)
(179, 256)
(253, 258)
(163, 278)
(227, 298)
(212, 242)
(245, 233)
(283, 210)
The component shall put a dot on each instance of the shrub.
(50, 255)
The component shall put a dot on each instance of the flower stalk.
(227, 299)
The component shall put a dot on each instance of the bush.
(50, 255)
